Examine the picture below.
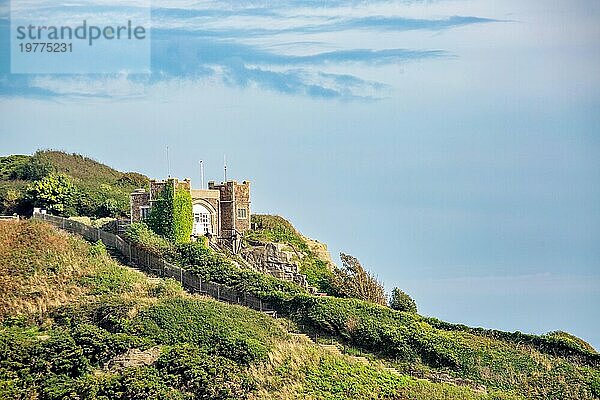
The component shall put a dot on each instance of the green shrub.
(108, 312)
(237, 333)
(11, 165)
(140, 234)
(53, 192)
(352, 280)
(35, 168)
(402, 302)
(544, 344)
(97, 249)
(30, 351)
(202, 375)
(166, 287)
(571, 340)
(100, 345)
(171, 215)
(273, 228)
(110, 278)
(132, 179)
(134, 383)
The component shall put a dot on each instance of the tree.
(34, 169)
(171, 215)
(352, 280)
(53, 192)
(402, 302)
(10, 201)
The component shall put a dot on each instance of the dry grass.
(280, 377)
(39, 268)
(42, 268)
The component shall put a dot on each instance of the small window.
(144, 212)
(242, 213)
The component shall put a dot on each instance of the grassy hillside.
(96, 190)
(554, 366)
(75, 324)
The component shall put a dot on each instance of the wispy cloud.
(213, 39)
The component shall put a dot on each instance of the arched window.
(202, 220)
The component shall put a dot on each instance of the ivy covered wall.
(171, 215)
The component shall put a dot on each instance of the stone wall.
(272, 259)
(138, 199)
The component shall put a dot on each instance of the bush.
(215, 328)
(402, 302)
(140, 234)
(352, 280)
(183, 218)
(202, 375)
(142, 383)
(97, 249)
(36, 168)
(53, 192)
(133, 179)
(100, 345)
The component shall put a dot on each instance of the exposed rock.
(442, 377)
(320, 250)
(133, 358)
(273, 259)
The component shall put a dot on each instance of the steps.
(392, 370)
(332, 348)
(361, 359)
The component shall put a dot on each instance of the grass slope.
(552, 366)
(75, 324)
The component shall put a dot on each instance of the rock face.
(273, 259)
(133, 358)
(320, 250)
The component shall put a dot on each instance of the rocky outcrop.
(320, 250)
(133, 358)
(274, 259)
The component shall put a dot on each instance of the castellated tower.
(234, 208)
(221, 212)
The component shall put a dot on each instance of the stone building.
(221, 212)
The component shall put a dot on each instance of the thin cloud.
(192, 42)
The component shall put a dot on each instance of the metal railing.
(154, 265)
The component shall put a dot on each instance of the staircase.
(335, 349)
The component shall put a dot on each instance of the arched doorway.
(202, 220)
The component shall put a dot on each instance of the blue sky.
(452, 146)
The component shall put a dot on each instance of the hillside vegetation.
(69, 184)
(553, 366)
(75, 324)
